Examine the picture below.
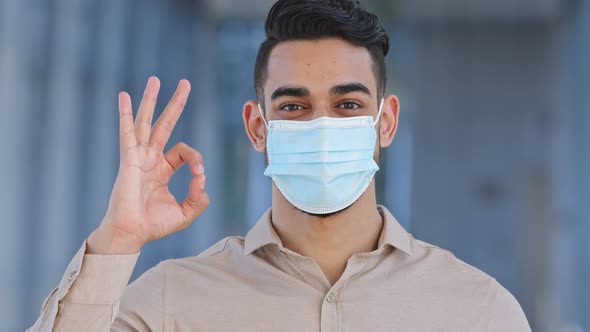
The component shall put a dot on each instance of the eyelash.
(282, 107)
(356, 105)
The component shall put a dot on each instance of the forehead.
(319, 65)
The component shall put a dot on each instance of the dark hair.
(316, 19)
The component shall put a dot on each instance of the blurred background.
(491, 160)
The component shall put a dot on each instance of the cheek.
(377, 151)
(378, 143)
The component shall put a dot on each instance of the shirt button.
(72, 275)
(330, 298)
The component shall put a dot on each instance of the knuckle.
(158, 143)
(205, 201)
(144, 120)
(125, 112)
(190, 151)
(167, 125)
(190, 204)
(180, 102)
(150, 96)
(188, 220)
(127, 131)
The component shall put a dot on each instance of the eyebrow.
(291, 91)
(299, 91)
(343, 89)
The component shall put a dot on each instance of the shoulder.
(439, 272)
(494, 306)
(447, 265)
(145, 300)
(221, 255)
(215, 254)
(503, 313)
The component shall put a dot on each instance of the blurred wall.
(491, 158)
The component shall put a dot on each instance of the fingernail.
(203, 182)
(200, 169)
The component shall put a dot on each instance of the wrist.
(105, 241)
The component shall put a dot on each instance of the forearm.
(105, 240)
(87, 298)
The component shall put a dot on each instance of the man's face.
(308, 79)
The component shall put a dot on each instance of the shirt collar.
(393, 234)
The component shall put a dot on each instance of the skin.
(141, 208)
(318, 66)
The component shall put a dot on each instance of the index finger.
(165, 124)
(127, 137)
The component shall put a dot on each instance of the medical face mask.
(323, 165)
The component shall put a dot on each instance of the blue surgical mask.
(323, 165)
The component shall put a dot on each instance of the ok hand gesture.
(141, 207)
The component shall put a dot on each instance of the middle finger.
(143, 122)
(165, 124)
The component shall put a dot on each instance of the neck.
(332, 240)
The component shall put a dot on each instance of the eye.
(291, 107)
(349, 105)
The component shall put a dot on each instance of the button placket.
(330, 314)
(330, 297)
(330, 309)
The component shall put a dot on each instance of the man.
(325, 257)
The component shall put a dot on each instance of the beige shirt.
(256, 284)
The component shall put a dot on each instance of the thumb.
(196, 201)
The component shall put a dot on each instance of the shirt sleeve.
(143, 303)
(505, 313)
(87, 297)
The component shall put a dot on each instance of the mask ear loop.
(379, 113)
(262, 115)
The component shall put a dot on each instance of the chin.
(326, 215)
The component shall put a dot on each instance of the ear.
(255, 127)
(389, 120)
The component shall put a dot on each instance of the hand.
(141, 207)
